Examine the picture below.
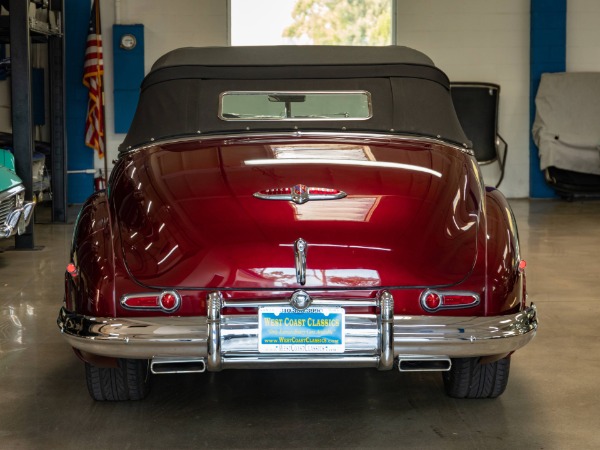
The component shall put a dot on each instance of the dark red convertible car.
(296, 207)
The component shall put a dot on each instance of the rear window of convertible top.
(295, 105)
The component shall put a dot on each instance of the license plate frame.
(315, 330)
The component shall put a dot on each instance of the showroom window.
(316, 22)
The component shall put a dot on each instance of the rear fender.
(90, 289)
(505, 282)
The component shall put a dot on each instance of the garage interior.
(552, 397)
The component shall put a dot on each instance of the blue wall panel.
(79, 156)
(548, 40)
(128, 74)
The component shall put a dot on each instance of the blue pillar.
(128, 73)
(548, 38)
(80, 157)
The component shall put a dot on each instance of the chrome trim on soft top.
(256, 137)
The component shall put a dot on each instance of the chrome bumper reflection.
(224, 342)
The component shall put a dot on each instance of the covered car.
(295, 207)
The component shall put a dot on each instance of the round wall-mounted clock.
(128, 42)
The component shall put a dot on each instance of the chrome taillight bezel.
(442, 294)
(158, 295)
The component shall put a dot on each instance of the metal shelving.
(29, 23)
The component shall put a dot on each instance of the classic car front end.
(277, 208)
(15, 212)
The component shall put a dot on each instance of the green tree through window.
(342, 22)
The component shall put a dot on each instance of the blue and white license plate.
(282, 329)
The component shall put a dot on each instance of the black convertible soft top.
(180, 95)
(285, 55)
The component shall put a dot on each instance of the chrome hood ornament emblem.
(300, 194)
(300, 249)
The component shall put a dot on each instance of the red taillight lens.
(458, 299)
(169, 301)
(144, 302)
(72, 270)
(432, 301)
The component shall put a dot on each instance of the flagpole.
(105, 128)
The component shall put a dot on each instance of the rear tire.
(469, 379)
(130, 381)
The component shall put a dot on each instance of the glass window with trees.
(311, 22)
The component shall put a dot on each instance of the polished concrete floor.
(552, 400)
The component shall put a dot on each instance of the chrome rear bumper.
(231, 341)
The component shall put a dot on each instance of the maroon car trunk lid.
(189, 217)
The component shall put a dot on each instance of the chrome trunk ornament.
(300, 249)
(300, 194)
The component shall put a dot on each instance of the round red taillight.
(71, 269)
(432, 301)
(169, 301)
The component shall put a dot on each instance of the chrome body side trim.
(231, 341)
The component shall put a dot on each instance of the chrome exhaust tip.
(424, 364)
(160, 366)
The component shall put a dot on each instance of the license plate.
(282, 329)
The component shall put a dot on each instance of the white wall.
(167, 25)
(471, 40)
(474, 40)
(583, 35)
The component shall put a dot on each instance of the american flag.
(93, 75)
